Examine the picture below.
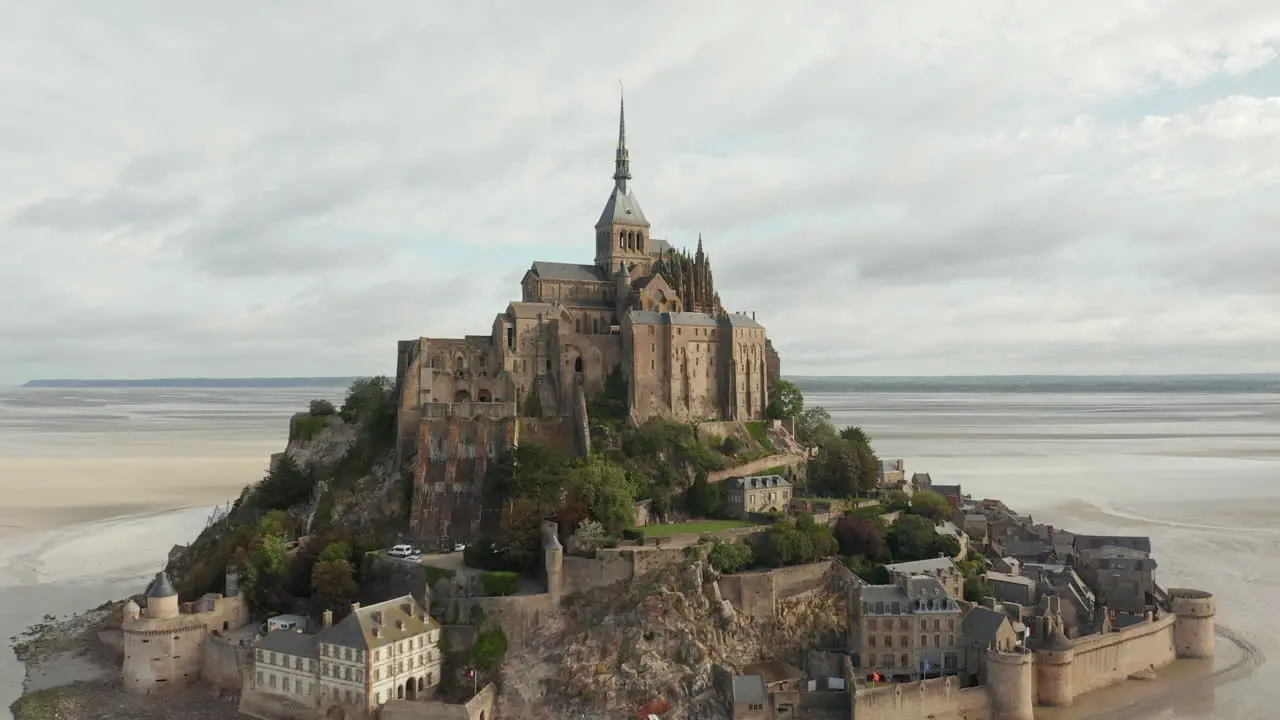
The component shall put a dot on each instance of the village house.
(766, 690)
(986, 628)
(376, 654)
(1012, 588)
(892, 474)
(942, 568)
(757, 494)
(1122, 576)
(906, 631)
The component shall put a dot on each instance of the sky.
(928, 188)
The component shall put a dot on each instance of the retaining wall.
(938, 699)
(223, 663)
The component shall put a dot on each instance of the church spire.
(622, 160)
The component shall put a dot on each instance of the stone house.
(892, 474)
(751, 698)
(1122, 576)
(907, 630)
(1012, 588)
(376, 654)
(944, 569)
(986, 629)
(757, 494)
(765, 691)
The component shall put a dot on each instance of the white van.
(401, 551)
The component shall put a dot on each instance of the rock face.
(617, 650)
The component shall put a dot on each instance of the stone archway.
(484, 396)
(462, 396)
(410, 689)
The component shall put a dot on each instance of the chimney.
(328, 619)
(355, 607)
(989, 603)
(377, 616)
(377, 631)
(753, 314)
(400, 625)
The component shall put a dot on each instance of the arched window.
(577, 364)
(924, 641)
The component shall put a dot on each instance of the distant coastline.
(1243, 383)
(290, 382)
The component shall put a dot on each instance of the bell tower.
(622, 232)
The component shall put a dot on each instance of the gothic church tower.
(622, 232)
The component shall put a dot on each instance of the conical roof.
(161, 587)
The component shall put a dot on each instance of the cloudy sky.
(936, 187)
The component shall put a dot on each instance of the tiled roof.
(568, 271)
(289, 643)
(922, 566)
(377, 625)
(982, 624)
(756, 482)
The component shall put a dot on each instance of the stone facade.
(163, 642)
(377, 654)
(641, 308)
(908, 630)
(757, 494)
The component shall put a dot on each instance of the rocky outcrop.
(658, 641)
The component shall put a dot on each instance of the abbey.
(642, 308)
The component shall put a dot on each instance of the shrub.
(729, 556)
(311, 425)
(490, 649)
(633, 534)
(434, 574)
(500, 583)
(322, 407)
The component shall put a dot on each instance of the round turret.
(1010, 677)
(131, 611)
(1194, 628)
(162, 599)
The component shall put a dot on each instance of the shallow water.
(1199, 473)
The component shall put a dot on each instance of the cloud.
(986, 187)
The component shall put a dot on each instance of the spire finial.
(622, 159)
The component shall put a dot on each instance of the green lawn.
(695, 527)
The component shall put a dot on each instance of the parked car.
(401, 551)
(459, 547)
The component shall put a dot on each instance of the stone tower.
(1194, 628)
(162, 599)
(622, 232)
(1012, 683)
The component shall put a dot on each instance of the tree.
(338, 550)
(521, 533)
(949, 545)
(333, 583)
(490, 649)
(607, 491)
(860, 536)
(699, 499)
(286, 485)
(727, 556)
(897, 501)
(912, 538)
(590, 535)
(834, 472)
(930, 504)
(533, 471)
(856, 435)
(268, 572)
(785, 400)
(367, 397)
(976, 588)
(813, 426)
(322, 408)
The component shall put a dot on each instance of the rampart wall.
(223, 663)
(615, 565)
(454, 455)
(558, 433)
(480, 707)
(271, 706)
(755, 467)
(1103, 660)
(939, 699)
(757, 593)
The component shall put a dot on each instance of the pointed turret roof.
(622, 208)
(161, 587)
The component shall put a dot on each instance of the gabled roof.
(527, 310)
(742, 320)
(381, 624)
(567, 271)
(621, 208)
(289, 642)
(757, 482)
(947, 490)
(749, 689)
(1133, 542)
(922, 566)
(982, 624)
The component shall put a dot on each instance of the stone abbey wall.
(940, 699)
(223, 663)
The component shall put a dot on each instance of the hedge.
(500, 583)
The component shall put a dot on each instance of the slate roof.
(568, 271)
(982, 624)
(756, 482)
(749, 689)
(919, 587)
(657, 246)
(160, 587)
(1133, 542)
(922, 566)
(621, 208)
(400, 619)
(289, 643)
(1116, 553)
(742, 320)
(947, 490)
(650, 317)
(530, 309)
(922, 479)
(891, 465)
(993, 576)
